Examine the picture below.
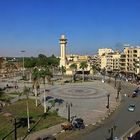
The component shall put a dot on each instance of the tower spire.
(63, 42)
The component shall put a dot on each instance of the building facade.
(130, 60)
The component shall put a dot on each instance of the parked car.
(131, 108)
(78, 123)
(115, 138)
(46, 137)
(135, 93)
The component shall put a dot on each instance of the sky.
(36, 25)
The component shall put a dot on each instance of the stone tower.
(63, 42)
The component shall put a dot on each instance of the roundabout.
(88, 99)
(78, 92)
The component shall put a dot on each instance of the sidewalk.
(54, 130)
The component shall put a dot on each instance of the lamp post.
(111, 131)
(23, 51)
(68, 106)
(108, 97)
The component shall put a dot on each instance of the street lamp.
(23, 51)
(68, 106)
(111, 131)
(108, 97)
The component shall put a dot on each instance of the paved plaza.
(89, 99)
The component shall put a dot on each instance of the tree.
(30, 62)
(63, 70)
(94, 70)
(45, 72)
(83, 66)
(41, 60)
(103, 72)
(74, 69)
(26, 91)
(36, 78)
(115, 78)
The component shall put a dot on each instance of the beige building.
(104, 51)
(77, 59)
(130, 59)
(110, 61)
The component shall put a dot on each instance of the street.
(122, 119)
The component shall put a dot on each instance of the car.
(115, 138)
(78, 123)
(131, 108)
(135, 93)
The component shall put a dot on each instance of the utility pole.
(69, 105)
(108, 105)
(15, 128)
(23, 74)
(111, 131)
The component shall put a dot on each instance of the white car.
(116, 138)
(131, 108)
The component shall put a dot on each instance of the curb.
(97, 122)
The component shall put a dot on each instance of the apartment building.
(130, 59)
(110, 61)
(104, 51)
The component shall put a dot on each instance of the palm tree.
(63, 70)
(74, 69)
(103, 73)
(94, 69)
(26, 92)
(115, 79)
(45, 72)
(36, 78)
(83, 66)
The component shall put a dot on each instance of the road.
(122, 118)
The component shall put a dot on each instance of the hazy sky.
(36, 25)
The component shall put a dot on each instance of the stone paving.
(88, 99)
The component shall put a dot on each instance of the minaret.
(63, 42)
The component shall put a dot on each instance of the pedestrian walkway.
(54, 130)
